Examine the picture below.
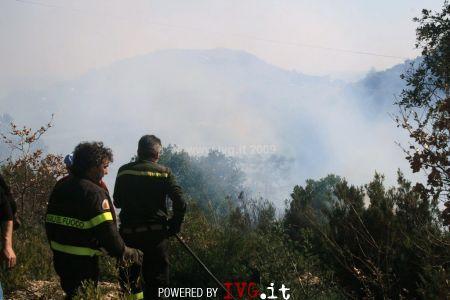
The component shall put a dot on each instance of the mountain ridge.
(221, 97)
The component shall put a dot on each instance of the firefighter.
(140, 191)
(81, 222)
(7, 211)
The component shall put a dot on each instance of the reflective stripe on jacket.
(141, 190)
(80, 220)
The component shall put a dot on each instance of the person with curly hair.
(81, 221)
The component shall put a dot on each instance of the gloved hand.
(174, 227)
(132, 256)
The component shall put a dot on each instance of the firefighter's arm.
(178, 204)
(7, 245)
(105, 230)
(107, 234)
(6, 220)
(110, 240)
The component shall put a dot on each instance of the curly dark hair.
(87, 155)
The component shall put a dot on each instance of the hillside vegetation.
(330, 244)
(335, 240)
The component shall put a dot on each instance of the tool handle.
(203, 265)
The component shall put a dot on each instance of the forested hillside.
(226, 99)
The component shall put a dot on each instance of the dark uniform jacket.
(81, 221)
(6, 209)
(140, 191)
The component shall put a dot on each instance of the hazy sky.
(60, 39)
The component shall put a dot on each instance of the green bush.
(236, 247)
(394, 247)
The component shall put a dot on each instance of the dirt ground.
(51, 290)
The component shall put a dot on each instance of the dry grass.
(51, 290)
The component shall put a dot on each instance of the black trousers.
(74, 270)
(155, 267)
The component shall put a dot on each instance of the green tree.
(380, 242)
(421, 247)
(207, 179)
(315, 198)
(425, 104)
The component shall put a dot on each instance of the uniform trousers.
(155, 267)
(74, 270)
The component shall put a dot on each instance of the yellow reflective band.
(74, 249)
(107, 216)
(136, 296)
(143, 173)
(72, 222)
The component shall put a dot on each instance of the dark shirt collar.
(146, 161)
